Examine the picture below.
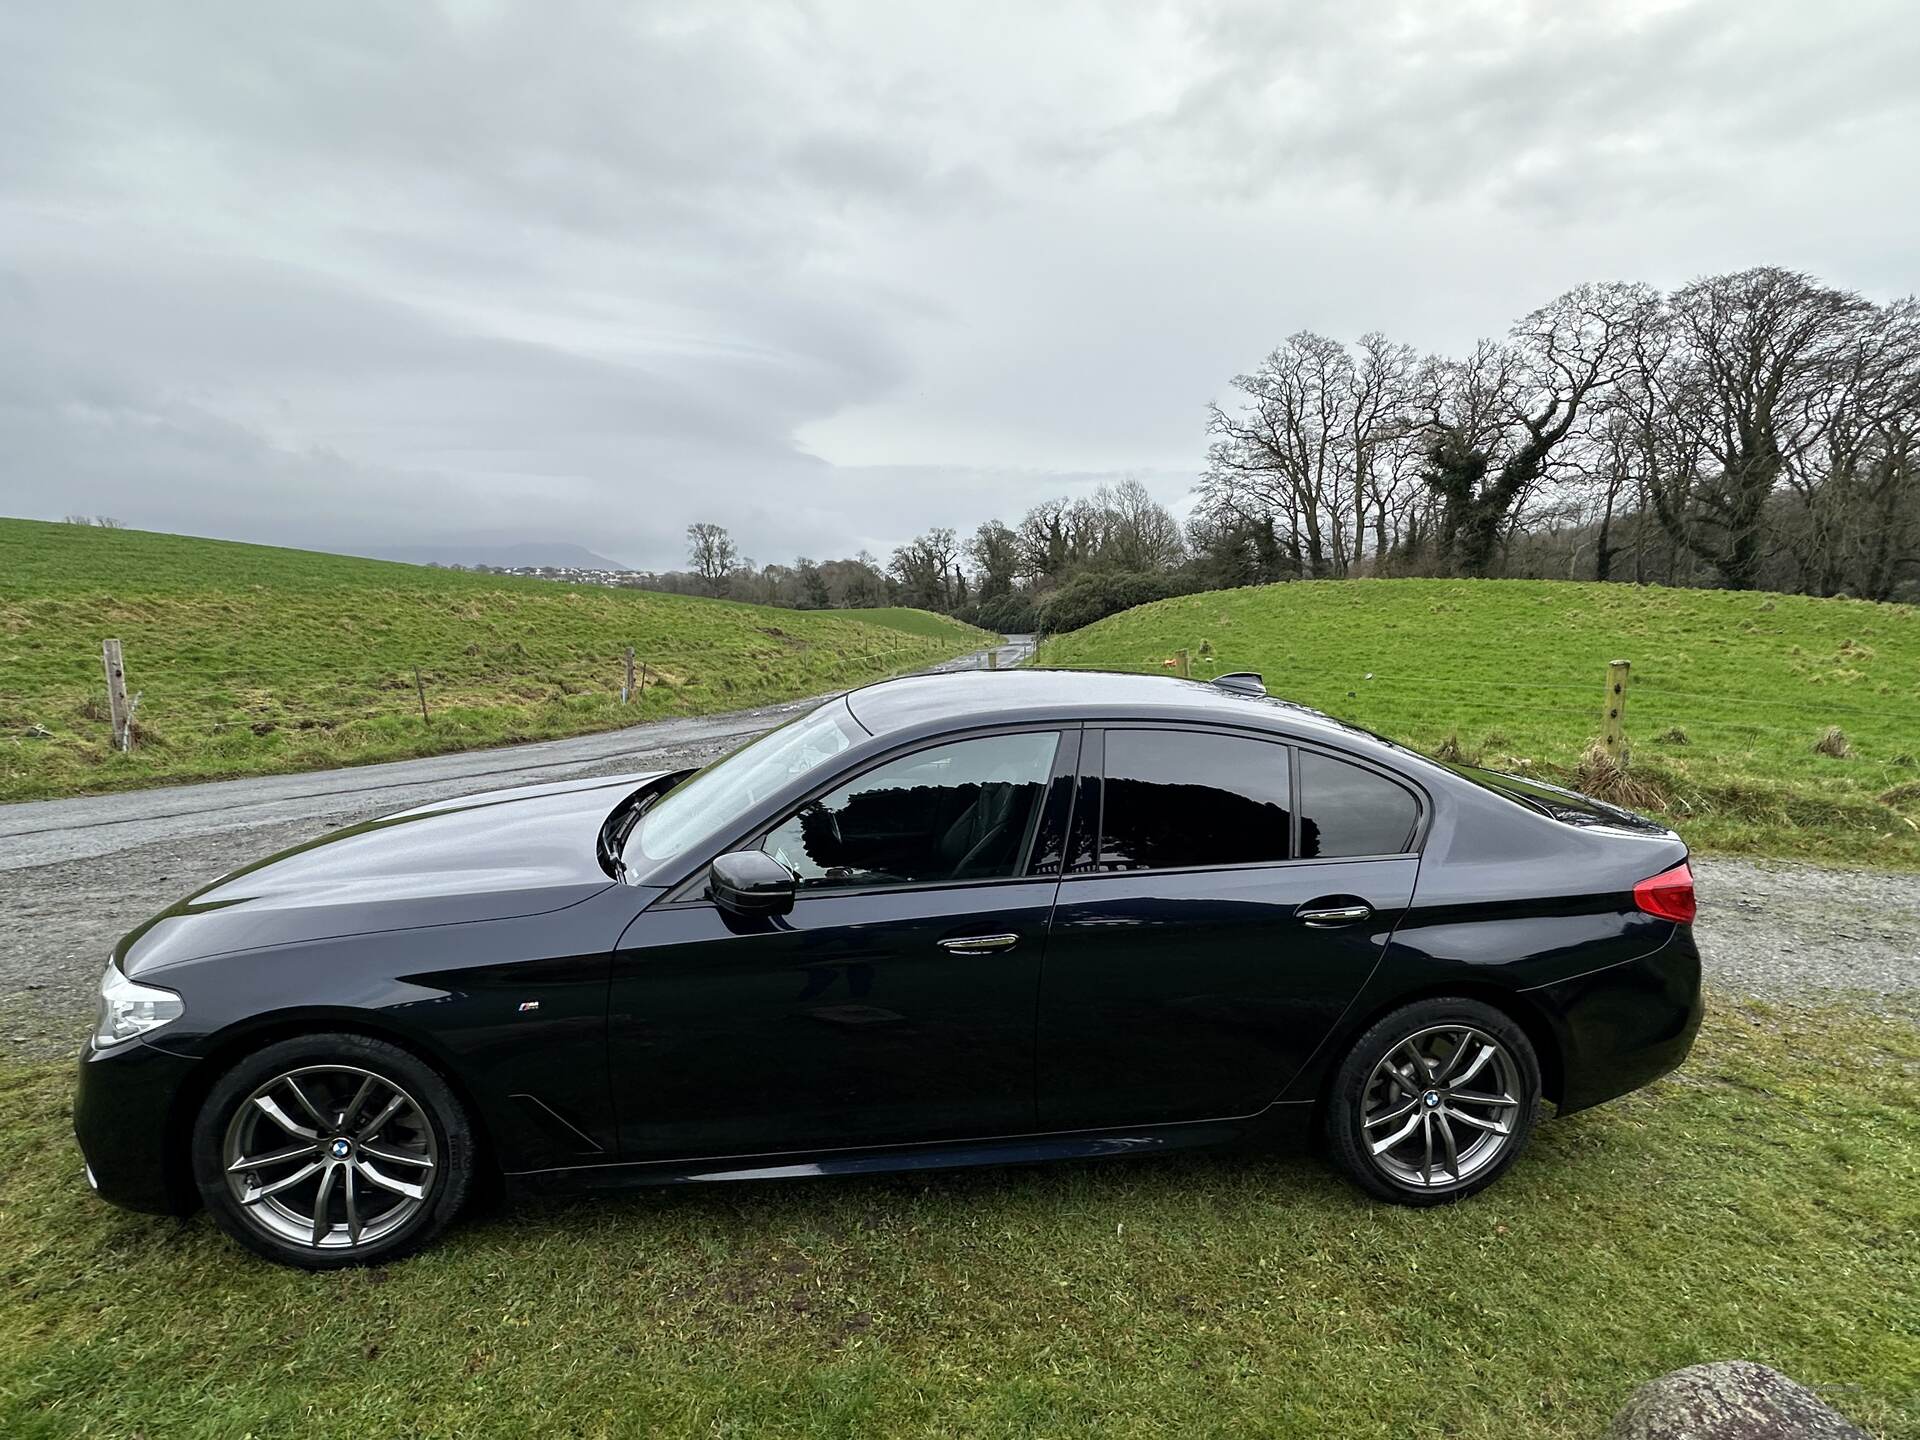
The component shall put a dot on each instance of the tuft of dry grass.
(1833, 744)
(1600, 775)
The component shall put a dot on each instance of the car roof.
(972, 696)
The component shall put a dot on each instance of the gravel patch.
(1777, 930)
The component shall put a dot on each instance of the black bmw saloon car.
(947, 920)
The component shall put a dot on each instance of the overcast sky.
(342, 275)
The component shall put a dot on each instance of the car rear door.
(1207, 936)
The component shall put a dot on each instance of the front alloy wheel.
(332, 1156)
(1434, 1101)
(332, 1150)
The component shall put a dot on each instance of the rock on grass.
(1729, 1400)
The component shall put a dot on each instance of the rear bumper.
(1626, 1025)
(123, 1117)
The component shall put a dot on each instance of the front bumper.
(130, 1128)
(1626, 1025)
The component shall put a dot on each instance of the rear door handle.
(979, 944)
(1326, 916)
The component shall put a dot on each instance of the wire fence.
(1657, 706)
(429, 690)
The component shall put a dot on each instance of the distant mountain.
(527, 553)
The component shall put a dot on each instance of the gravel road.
(77, 874)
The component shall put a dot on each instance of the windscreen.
(705, 806)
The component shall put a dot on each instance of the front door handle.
(979, 944)
(1326, 916)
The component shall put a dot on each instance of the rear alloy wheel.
(1434, 1101)
(332, 1150)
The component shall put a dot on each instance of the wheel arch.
(237, 1042)
(1548, 1046)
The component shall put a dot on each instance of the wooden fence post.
(626, 684)
(993, 657)
(640, 693)
(118, 709)
(1186, 664)
(421, 690)
(1614, 734)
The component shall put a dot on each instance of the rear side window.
(1174, 798)
(1345, 810)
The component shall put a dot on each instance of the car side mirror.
(752, 883)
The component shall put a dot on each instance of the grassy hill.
(252, 660)
(1730, 692)
(925, 624)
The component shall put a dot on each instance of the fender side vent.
(565, 1135)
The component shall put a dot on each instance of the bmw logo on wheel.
(340, 1149)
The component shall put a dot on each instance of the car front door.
(1206, 940)
(893, 1004)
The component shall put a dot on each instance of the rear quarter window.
(1345, 810)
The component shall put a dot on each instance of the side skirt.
(1277, 1123)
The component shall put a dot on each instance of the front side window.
(1345, 810)
(1176, 798)
(961, 811)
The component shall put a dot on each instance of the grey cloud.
(827, 274)
(1532, 103)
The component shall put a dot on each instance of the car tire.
(1434, 1102)
(332, 1150)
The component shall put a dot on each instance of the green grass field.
(1762, 1203)
(925, 624)
(253, 660)
(1730, 691)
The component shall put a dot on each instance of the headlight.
(127, 1009)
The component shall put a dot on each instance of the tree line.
(1067, 562)
(1748, 430)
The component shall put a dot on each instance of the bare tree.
(1496, 419)
(995, 553)
(928, 570)
(1286, 453)
(1052, 537)
(1137, 531)
(1380, 392)
(1739, 374)
(1609, 474)
(814, 591)
(1845, 521)
(711, 554)
(857, 583)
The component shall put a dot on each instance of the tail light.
(1668, 894)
